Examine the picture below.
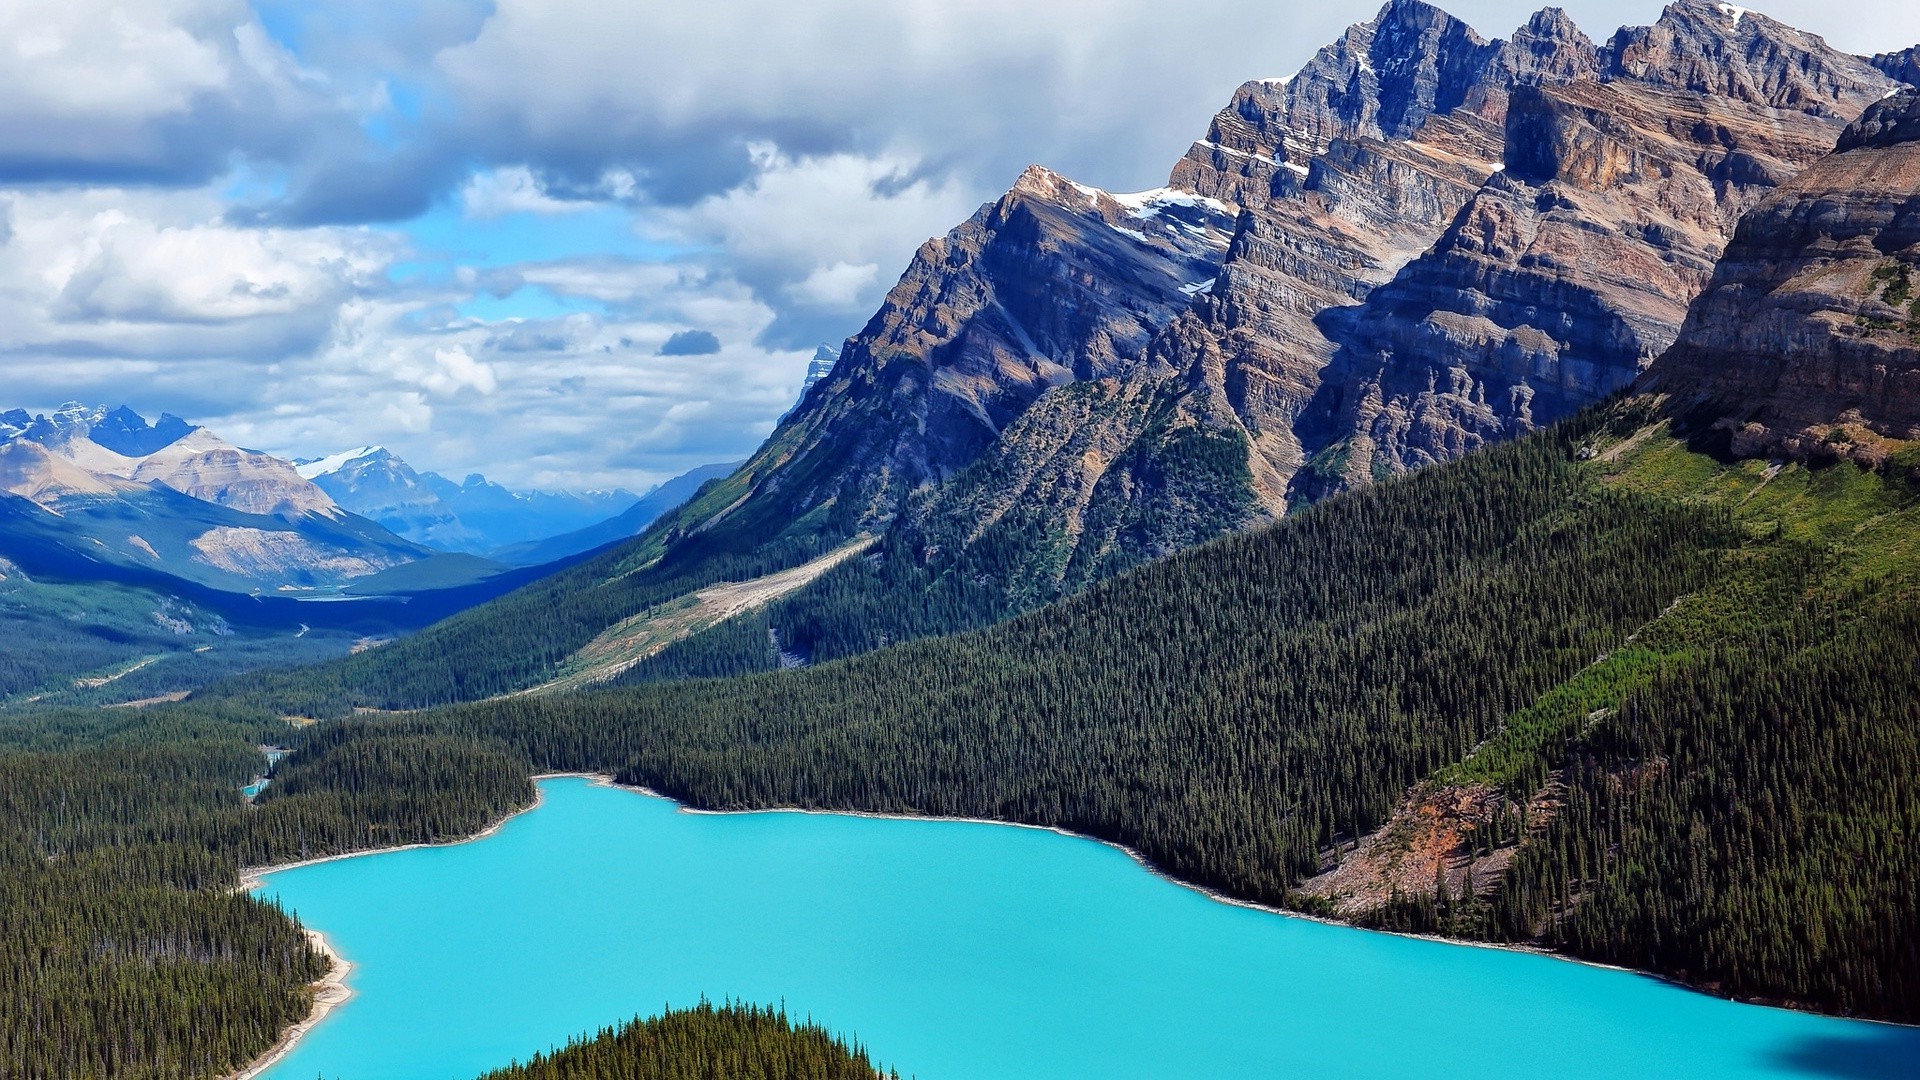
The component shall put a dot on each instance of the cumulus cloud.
(164, 91)
(195, 211)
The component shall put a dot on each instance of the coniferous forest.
(1709, 683)
(1242, 723)
(705, 1042)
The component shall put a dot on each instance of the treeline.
(1225, 712)
(1241, 712)
(728, 1042)
(124, 950)
(1749, 823)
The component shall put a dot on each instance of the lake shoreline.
(332, 991)
(253, 877)
(1140, 859)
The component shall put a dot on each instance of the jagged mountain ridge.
(475, 515)
(1071, 382)
(1437, 241)
(1568, 273)
(175, 499)
(119, 444)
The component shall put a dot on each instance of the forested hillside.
(1617, 647)
(1554, 630)
(124, 951)
(729, 1042)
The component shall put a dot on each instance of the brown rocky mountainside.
(1421, 242)
(1564, 276)
(1806, 343)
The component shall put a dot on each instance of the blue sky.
(465, 229)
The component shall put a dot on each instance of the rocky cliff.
(1562, 278)
(1422, 241)
(1806, 342)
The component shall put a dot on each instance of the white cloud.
(166, 91)
(77, 59)
(840, 286)
(792, 155)
(511, 190)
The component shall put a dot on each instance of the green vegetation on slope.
(730, 1042)
(124, 950)
(525, 637)
(1709, 667)
(1241, 712)
(1013, 532)
(74, 644)
(1223, 711)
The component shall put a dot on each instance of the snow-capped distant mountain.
(475, 516)
(819, 367)
(175, 497)
(120, 443)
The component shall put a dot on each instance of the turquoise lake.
(956, 950)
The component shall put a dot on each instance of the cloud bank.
(565, 242)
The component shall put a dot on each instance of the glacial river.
(960, 951)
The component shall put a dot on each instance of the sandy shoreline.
(329, 993)
(332, 991)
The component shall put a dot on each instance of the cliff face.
(1564, 276)
(1806, 343)
(1053, 283)
(1421, 242)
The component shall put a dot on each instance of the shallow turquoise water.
(957, 950)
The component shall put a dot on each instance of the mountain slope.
(1596, 689)
(1422, 242)
(1807, 342)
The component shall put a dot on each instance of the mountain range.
(1421, 243)
(176, 497)
(1641, 685)
(475, 516)
(1477, 496)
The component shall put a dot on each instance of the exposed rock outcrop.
(1421, 242)
(1807, 341)
(1563, 277)
(1052, 283)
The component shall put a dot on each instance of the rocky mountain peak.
(1806, 343)
(1549, 49)
(1424, 61)
(1707, 47)
(1886, 123)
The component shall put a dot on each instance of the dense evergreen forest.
(1704, 671)
(727, 1042)
(1518, 618)
(124, 949)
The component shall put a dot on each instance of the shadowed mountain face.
(1806, 343)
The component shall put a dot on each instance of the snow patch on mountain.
(314, 468)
